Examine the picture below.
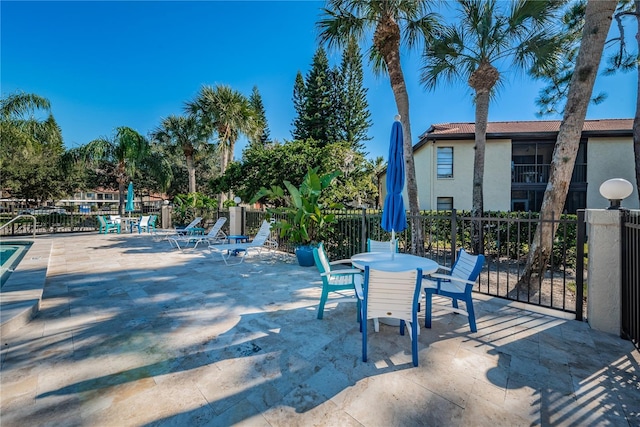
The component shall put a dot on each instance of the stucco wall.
(609, 158)
(497, 175)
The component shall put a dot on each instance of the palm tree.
(186, 134)
(228, 113)
(471, 50)
(125, 151)
(391, 22)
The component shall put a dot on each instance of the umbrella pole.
(393, 244)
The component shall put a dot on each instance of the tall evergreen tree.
(299, 131)
(316, 118)
(261, 118)
(355, 116)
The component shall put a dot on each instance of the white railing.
(35, 222)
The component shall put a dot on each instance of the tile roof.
(517, 127)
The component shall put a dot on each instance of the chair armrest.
(451, 278)
(359, 291)
(340, 261)
(341, 272)
(442, 267)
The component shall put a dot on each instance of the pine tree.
(299, 99)
(318, 100)
(354, 114)
(256, 102)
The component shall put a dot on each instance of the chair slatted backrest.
(102, 220)
(144, 221)
(466, 267)
(262, 235)
(217, 227)
(322, 262)
(193, 223)
(391, 294)
(380, 246)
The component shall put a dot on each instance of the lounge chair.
(191, 228)
(241, 249)
(215, 235)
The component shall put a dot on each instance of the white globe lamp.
(615, 190)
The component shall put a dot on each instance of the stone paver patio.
(133, 333)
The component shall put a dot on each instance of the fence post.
(603, 272)
(363, 239)
(454, 234)
(580, 237)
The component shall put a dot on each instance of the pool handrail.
(35, 222)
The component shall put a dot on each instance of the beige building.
(517, 164)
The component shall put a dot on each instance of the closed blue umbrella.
(129, 206)
(394, 217)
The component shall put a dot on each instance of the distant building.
(517, 163)
(107, 199)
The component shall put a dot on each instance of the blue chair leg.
(427, 315)
(472, 315)
(363, 326)
(402, 326)
(414, 342)
(323, 300)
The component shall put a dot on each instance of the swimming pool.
(10, 255)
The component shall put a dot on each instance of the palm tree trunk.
(387, 40)
(191, 170)
(598, 17)
(482, 116)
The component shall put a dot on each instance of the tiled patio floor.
(132, 333)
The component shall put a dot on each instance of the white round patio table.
(387, 261)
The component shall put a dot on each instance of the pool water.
(10, 255)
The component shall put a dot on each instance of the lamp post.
(615, 190)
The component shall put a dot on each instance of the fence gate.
(631, 276)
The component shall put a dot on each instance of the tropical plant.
(392, 22)
(124, 152)
(185, 134)
(187, 207)
(470, 50)
(301, 217)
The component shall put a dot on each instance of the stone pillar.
(236, 221)
(603, 271)
(165, 214)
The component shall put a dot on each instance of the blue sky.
(109, 64)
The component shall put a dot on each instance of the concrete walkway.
(132, 333)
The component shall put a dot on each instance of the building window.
(91, 195)
(445, 203)
(445, 162)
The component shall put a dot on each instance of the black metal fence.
(506, 240)
(631, 276)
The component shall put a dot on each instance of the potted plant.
(299, 212)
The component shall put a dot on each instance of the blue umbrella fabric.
(394, 218)
(129, 206)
